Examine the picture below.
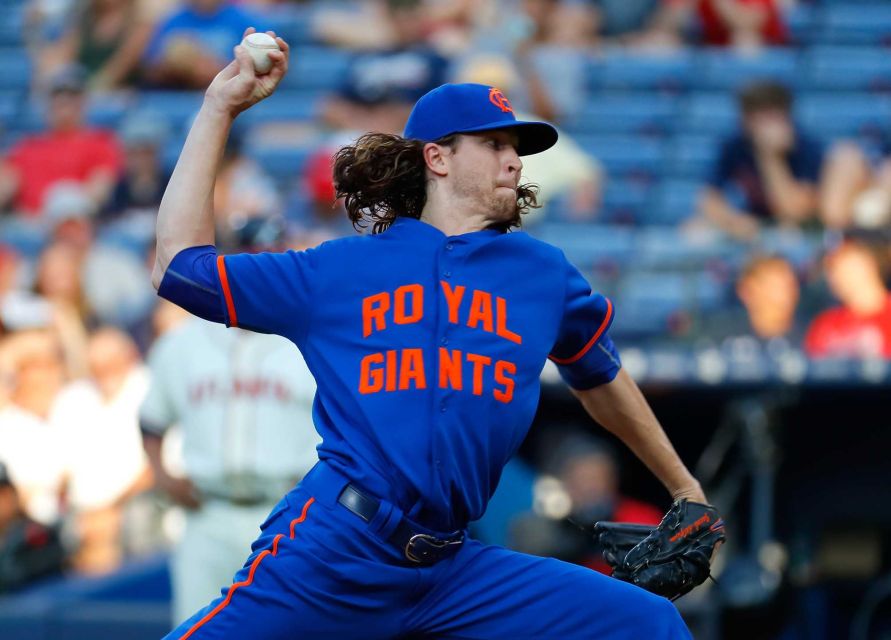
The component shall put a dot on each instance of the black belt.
(420, 548)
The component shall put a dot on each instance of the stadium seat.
(728, 70)
(802, 21)
(636, 156)
(290, 21)
(590, 245)
(625, 200)
(848, 68)
(856, 23)
(10, 103)
(282, 163)
(835, 115)
(711, 113)
(631, 113)
(317, 67)
(284, 106)
(180, 107)
(673, 202)
(15, 69)
(692, 156)
(629, 71)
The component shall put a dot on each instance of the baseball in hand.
(259, 45)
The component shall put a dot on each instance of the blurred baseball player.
(426, 339)
(243, 403)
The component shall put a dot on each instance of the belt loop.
(386, 519)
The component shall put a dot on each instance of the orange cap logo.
(500, 100)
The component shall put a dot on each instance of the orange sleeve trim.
(227, 293)
(592, 341)
(253, 570)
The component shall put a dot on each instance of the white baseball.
(259, 45)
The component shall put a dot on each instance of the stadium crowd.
(722, 174)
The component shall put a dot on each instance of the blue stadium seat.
(802, 21)
(711, 113)
(631, 113)
(848, 68)
(107, 111)
(290, 21)
(726, 69)
(625, 201)
(180, 107)
(856, 23)
(317, 67)
(663, 248)
(15, 69)
(589, 245)
(629, 71)
(692, 156)
(12, 26)
(834, 115)
(282, 163)
(626, 155)
(10, 103)
(284, 106)
(673, 202)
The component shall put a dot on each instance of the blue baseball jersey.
(427, 349)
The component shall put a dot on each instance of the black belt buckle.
(425, 549)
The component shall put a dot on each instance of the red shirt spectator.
(66, 151)
(861, 327)
(717, 32)
(841, 332)
(46, 159)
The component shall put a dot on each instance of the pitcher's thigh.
(491, 592)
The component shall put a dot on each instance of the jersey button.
(442, 408)
(447, 274)
(443, 340)
(449, 246)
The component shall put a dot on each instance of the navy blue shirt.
(737, 175)
(427, 349)
(398, 75)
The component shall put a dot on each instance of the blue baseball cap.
(468, 108)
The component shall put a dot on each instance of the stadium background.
(792, 448)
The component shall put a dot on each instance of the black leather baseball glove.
(669, 559)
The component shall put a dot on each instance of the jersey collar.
(405, 226)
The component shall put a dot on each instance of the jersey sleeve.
(262, 292)
(583, 352)
(269, 292)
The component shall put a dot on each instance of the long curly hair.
(383, 176)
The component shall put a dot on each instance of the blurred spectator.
(242, 191)
(28, 549)
(243, 403)
(68, 150)
(190, 46)
(586, 491)
(861, 326)
(382, 86)
(103, 409)
(58, 282)
(768, 172)
(768, 288)
(144, 179)
(107, 38)
(565, 172)
(854, 193)
(68, 216)
(33, 373)
(743, 24)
